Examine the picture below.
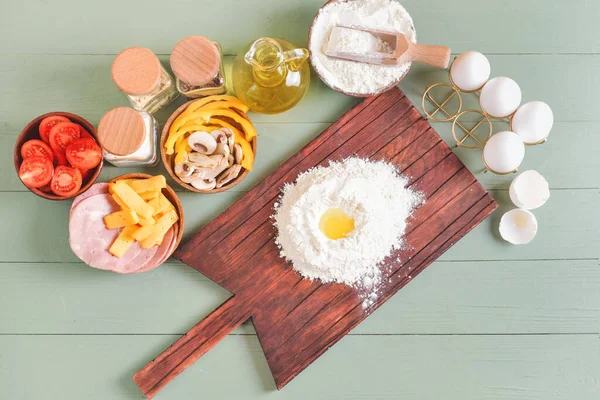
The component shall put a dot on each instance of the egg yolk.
(336, 224)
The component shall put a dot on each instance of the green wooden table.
(487, 321)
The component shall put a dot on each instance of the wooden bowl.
(168, 159)
(169, 194)
(390, 86)
(31, 131)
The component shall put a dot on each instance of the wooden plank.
(135, 24)
(81, 84)
(360, 367)
(492, 297)
(568, 227)
(576, 167)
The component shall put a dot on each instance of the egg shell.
(470, 71)
(533, 121)
(504, 152)
(529, 190)
(500, 97)
(518, 226)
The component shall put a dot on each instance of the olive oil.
(336, 224)
(272, 77)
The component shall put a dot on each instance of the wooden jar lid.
(121, 131)
(136, 71)
(195, 60)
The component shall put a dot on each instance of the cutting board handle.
(190, 347)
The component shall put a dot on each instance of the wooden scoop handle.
(190, 347)
(436, 56)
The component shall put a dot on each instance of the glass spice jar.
(138, 73)
(198, 68)
(129, 137)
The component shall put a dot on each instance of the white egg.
(533, 121)
(529, 190)
(500, 97)
(518, 226)
(504, 152)
(470, 71)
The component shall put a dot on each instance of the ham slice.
(89, 238)
(98, 188)
(142, 260)
(163, 252)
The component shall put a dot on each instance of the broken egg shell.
(529, 190)
(533, 121)
(470, 71)
(504, 152)
(518, 226)
(500, 97)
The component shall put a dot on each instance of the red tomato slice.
(60, 158)
(36, 172)
(84, 133)
(47, 124)
(35, 147)
(66, 181)
(62, 134)
(84, 153)
(86, 175)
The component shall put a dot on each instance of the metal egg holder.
(454, 116)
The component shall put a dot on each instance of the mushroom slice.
(219, 136)
(202, 142)
(183, 169)
(230, 138)
(223, 148)
(197, 174)
(212, 173)
(231, 160)
(238, 153)
(229, 175)
(202, 160)
(204, 184)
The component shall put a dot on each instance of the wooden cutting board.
(297, 319)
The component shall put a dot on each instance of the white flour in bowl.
(371, 192)
(351, 76)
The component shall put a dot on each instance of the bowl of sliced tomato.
(57, 156)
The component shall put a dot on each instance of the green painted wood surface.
(487, 321)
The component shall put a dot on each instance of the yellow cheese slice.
(160, 229)
(121, 218)
(120, 202)
(146, 221)
(149, 195)
(153, 184)
(131, 199)
(142, 233)
(123, 241)
(165, 203)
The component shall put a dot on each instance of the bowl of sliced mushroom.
(208, 145)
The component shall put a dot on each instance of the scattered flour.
(373, 193)
(350, 76)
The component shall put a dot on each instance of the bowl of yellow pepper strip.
(209, 145)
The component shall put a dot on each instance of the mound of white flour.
(351, 76)
(373, 193)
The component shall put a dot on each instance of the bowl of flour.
(350, 77)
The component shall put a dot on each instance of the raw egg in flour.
(500, 97)
(336, 224)
(504, 152)
(470, 71)
(533, 122)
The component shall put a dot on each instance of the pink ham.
(163, 251)
(98, 188)
(89, 238)
(140, 261)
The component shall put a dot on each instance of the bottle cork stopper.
(121, 131)
(136, 71)
(195, 60)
